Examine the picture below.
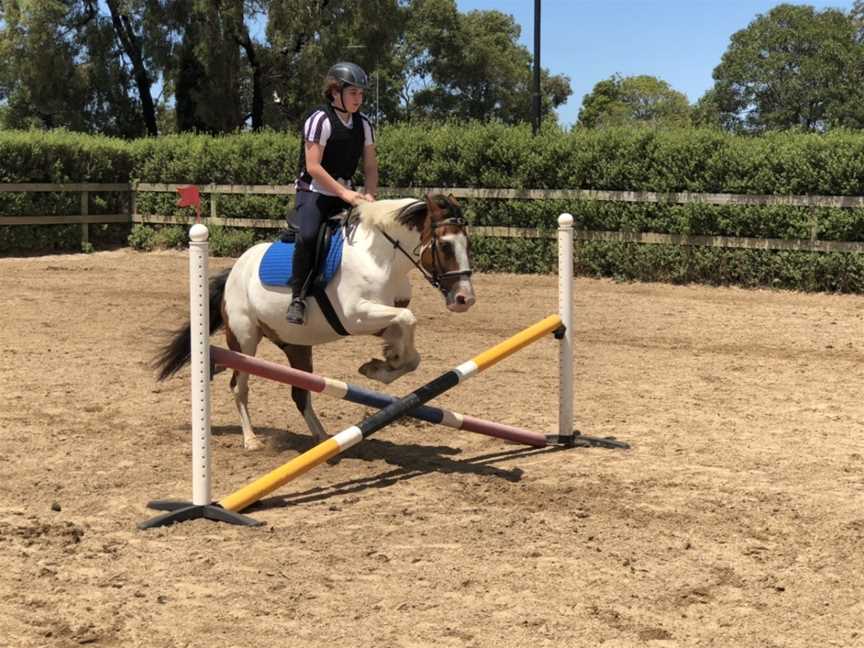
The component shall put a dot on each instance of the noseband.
(434, 276)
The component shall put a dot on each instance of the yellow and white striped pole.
(351, 436)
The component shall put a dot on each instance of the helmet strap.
(341, 100)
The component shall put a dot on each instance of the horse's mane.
(384, 213)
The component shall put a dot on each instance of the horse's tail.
(176, 353)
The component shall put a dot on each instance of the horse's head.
(445, 253)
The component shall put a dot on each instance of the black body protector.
(344, 147)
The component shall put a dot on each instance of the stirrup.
(296, 311)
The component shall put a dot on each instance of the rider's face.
(353, 98)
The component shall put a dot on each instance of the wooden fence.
(133, 216)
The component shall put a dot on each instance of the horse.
(369, 294)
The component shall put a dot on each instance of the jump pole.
(353, 435)
(364, 396)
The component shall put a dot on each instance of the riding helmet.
(349, 74)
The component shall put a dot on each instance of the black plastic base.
(580, 440)
(184, 511)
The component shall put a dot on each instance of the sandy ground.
(736, 519)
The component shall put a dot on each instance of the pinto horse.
(369, 294)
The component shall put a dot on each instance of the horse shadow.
(409, 461)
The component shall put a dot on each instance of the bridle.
(437, 273)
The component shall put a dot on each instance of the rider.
(335, 137)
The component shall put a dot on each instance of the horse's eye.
(447, 247)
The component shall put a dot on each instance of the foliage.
(224, 242)
(59, 157)
(307, 37)
(793, 67)
(493, 155)
(60, 66)
(473, 66)
(634, 101)
(94, 65)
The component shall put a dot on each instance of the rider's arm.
(314, 154)
(370, 171)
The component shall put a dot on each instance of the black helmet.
(349, 74)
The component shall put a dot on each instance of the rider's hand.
(369, 197)
(353, 197)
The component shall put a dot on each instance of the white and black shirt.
(343, 146)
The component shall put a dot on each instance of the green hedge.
(262, 158)
(60, 157)
(495, 155)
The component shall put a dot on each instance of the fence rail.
(812, 244)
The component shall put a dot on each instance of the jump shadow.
(409, 460)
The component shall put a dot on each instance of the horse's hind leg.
(240, 380)
(300, 357)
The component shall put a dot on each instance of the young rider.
(335, 137)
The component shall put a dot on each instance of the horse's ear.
(452, 200)
(432, 205)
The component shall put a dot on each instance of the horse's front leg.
(396, 327)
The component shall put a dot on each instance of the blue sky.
(679, 41)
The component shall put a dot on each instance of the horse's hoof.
(377, 370)
(371, 368)
(253, 444)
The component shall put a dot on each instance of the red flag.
(189, 196)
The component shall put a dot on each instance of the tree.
(131, 41)
(636, 100)
(96, 65)
(67, 63)
(39, 80)
(211, 73)
(308, 37)
(793, 67)
(472, 66)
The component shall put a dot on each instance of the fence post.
(85, 211)
(133, 201)
(214, 201)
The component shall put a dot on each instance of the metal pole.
(535, 108)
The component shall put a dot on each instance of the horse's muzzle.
(461, 296)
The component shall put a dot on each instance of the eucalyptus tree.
(472, 66)
(794, 67)
(82, 64)
(40, 82)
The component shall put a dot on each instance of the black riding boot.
(300, 271)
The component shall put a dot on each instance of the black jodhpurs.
(312, 209)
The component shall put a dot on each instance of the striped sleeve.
(317, 128)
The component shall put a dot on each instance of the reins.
(434, 278)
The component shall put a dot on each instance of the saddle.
(328, 228)
(276, 265)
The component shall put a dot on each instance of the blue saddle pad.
(275, 268)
